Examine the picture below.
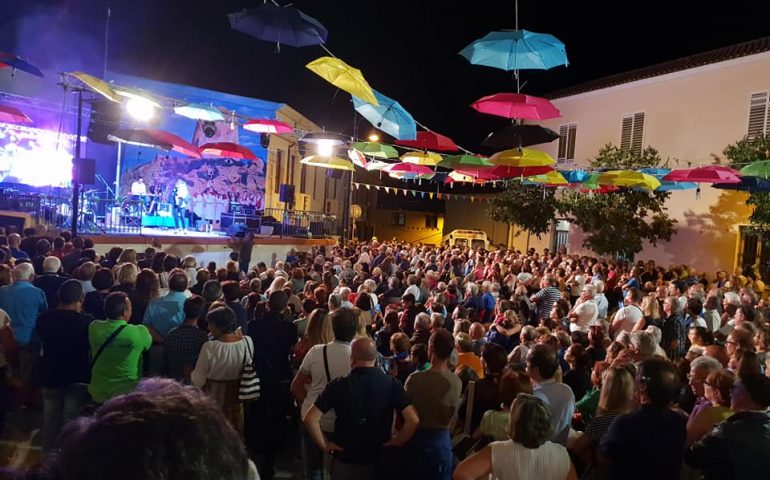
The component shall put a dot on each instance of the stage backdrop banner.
(213, 182)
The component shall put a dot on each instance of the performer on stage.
(139, 187)
(180, 200)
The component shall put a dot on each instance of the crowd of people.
(395, 360)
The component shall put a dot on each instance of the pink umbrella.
(409, 168)
(431, 141)
(265, 125)
(479, 173)
(13, 115)
(710, 174)
(178, 144)
(227, 150)
(513, 172)
(516, 105)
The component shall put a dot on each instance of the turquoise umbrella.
(668, 186)
(516, 50)
(389, 116)
(574, 176)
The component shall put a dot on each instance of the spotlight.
(140, 109)
(325, 148)
(374, 137)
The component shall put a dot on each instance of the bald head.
(363, 352)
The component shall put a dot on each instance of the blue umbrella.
(16, 63)
(656, 172)
(389, 116)
(747, 184)
(574, 176)
(668, 186)
(282, 25)
(516, 50)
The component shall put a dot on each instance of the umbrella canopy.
(16, 63)
(97, 85)
(517, 172)
(358, 158)
(376, 165)
(747, 184)
(328, 138)
(199, 111)
(227, 150)
(141, 137)
(13, 115)
(710, 174)
(757, 169)
(421, 158)
(453, 177)
(656, 172)
(516, 105)
(377, 150)
(388, 116)
(551, 178)
(516, 50)
(669, 186)
(344, 77)
(410, 168)
(591, 185)
(629, 179)
(266, 125)
(574, 176)
(519, 136)
(463, 161)
(332, 163)
(479, 173)
(431, 141)
(522, 157)
(282, 25)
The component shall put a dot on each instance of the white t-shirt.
(603, 305)
(713, 320)
(587, 313)
(514, 461)
(221, 361)
(414, 290)
(139, 188)
(338, 356)
(628, 316)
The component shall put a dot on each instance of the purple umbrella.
(282, 25)
(16, 63)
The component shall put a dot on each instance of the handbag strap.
(246, 354)
(107, 342)
(326, 367)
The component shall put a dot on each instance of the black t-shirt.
(66, 354)
(364, 402)
(94, 304)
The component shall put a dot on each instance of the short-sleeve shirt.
(436, 395)
(119, 367)
(511, 460)
(628, 315)
(561, 401)
(166, 313)
(364, 401)
(183, 344)
(64, 335)
(338, 357)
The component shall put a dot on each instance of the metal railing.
(299, 224)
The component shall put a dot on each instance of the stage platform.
(206, 246)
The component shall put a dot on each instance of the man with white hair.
(14, 241)
(344, 295)
(421, 329)
(700, 369)
(50, 281)
(601, 300)
(23, 302)
(730, 303)
(586, 311)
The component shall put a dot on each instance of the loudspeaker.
(286, 193)
(264, 140)
(209, 129)
(105, 119)
(84, 171)
(236, 230)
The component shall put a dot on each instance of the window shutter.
(638, 132)
(571, 142)
(278, 172)
(302, 178)
(567, 135)
(625, 134)
(563, 134)
(758, 114)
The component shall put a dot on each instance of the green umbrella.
(757, 169)
(462, 161)
(377, 150)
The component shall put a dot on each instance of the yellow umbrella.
(629, 179)
(97, 85)
(333, 163)
(521, 157)
(429, 159)
(551, 178)
(344, 77)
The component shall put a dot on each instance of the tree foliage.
(742, 153)
(528, 207)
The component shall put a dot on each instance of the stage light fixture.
(325, 148)
(374, 137)
(140, 109)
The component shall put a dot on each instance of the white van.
(463, 238)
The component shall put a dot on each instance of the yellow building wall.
(414, 230)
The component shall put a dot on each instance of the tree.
(741, 153)
(528, 207)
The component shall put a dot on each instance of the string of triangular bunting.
(422, 194)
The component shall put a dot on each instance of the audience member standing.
(50, 280)
(542, 364)
(163, 315)
(183, 344)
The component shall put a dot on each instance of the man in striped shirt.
(546, 297)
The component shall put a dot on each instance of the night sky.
(406, 49)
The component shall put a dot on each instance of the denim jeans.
(61, 405)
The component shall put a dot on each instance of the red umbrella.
(516, 105)
(178, 144)
(710, 174)
(13, 115)
(227, 150)
(479, 173)
(431, 141)
(265, 125)
(513, 172)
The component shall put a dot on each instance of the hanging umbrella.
(518, 172)
(757, 169)
(329, 138)
(198, 111)
(409, 168)
(16, 63)
(669, 186)
(344, 77)
(139, 137)
(629, 179)
(516, 50)
(422, 158)
(591, 185)
(10, 114)
(266, 125)
(710, 174)
(463, 161)
(574, 176)
(227, 150)
(656, 172)
(552, 178)
(388, 116)
(453, 177)
(519, 136)
(747, 184)
(479, 173)
(332, 163)
(516, 105)
(522, 157)
(282, 25)
(358, 158)
(375, 149)
(376, 165)
(97, 85)
(431, 141)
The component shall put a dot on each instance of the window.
(278, 172)
(399, 219)
(431, 221)
(567, 143)
(758, 114)
(632, 135)
(315, 184)
(303, 179)
(292, 164)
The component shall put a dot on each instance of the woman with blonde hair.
(318, 332)
(127, 256)
(276, 286)
(651, 313)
